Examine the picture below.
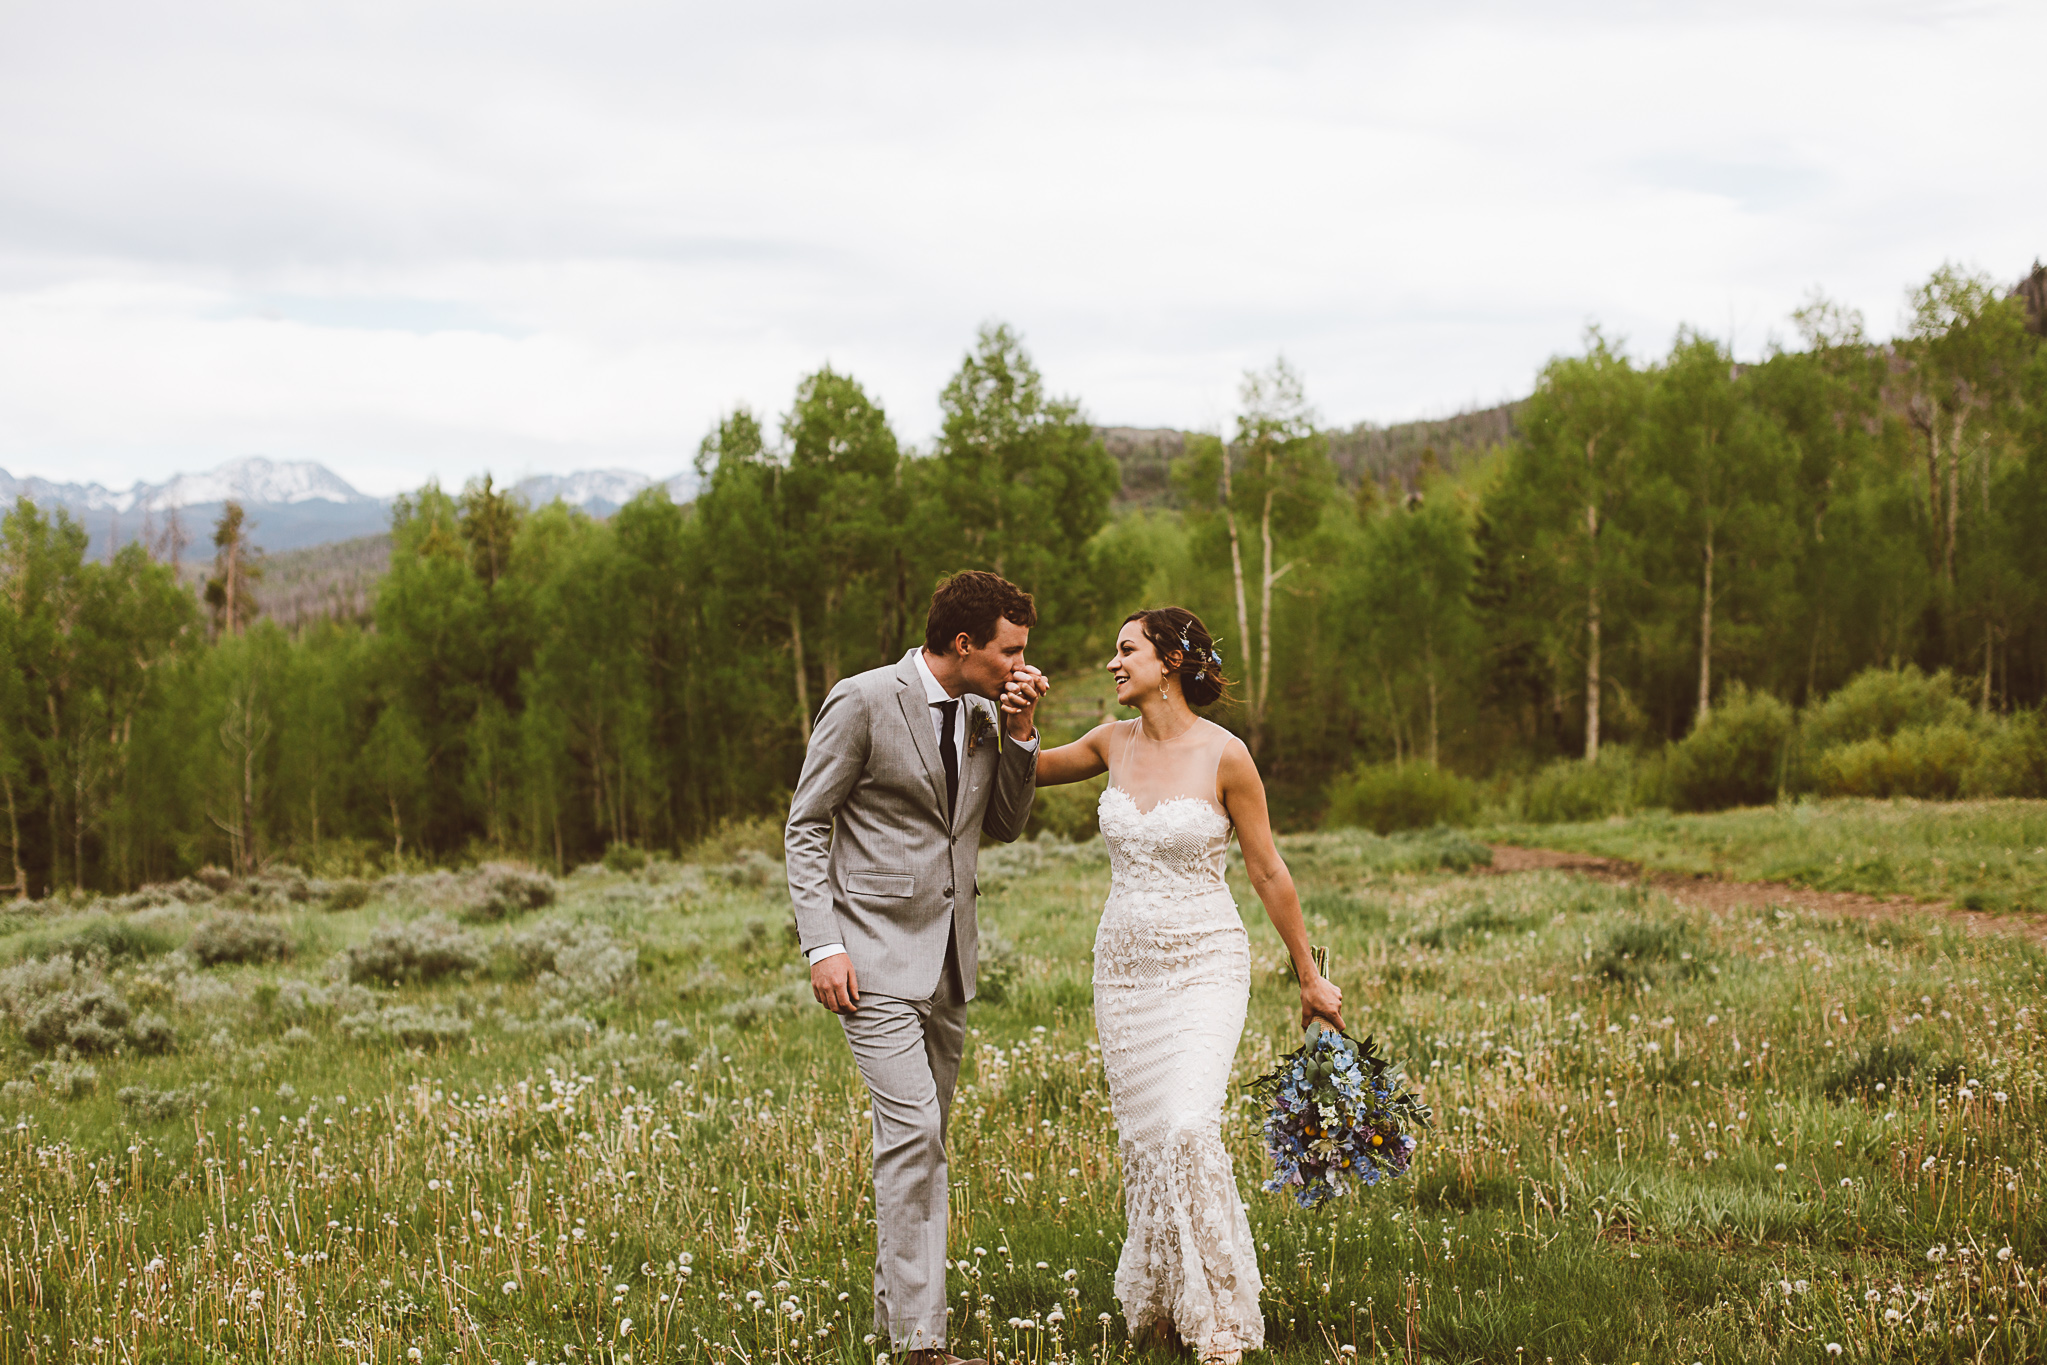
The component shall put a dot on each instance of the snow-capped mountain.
(291, 504)
(251, 480)
(600, 492)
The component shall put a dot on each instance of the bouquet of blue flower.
(1337, 1115)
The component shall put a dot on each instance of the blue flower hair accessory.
(1215, 657)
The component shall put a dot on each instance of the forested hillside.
(1600, 565)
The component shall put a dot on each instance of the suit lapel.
(917, 715)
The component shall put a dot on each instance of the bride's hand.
(1321, 999)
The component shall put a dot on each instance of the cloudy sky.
(436, 238)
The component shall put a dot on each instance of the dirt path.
(1713, 893)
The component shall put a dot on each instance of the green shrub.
(2012, 759)
(347, 893)
(997, 975)
(736, 836)
(1930, 762)
(1885, 1064)
(1879, 702)
(1480, 921)
(623, 857)
(1571, 790)
(1341, 907)
(1384, 797)
(1633, 951)
(422, 950)
(1070, 811)
(236, 936)
(1735, 757)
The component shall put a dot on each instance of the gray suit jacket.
(873, 862)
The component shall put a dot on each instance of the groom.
(907, 769)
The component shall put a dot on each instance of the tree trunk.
(1592, 645)
(892, 617)
(1987, 656)
(1706, 635)
(1266, 579)
(1393, 718)
(828, 651)
(802, 673)
(1933, 463)
(78, 824)
(397, 828)
(1954, 479)
(1429, 659)
(20, 883)
(1243, 614)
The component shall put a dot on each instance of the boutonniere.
(980, 728)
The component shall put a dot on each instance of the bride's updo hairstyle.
(1176, 632)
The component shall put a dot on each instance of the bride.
(1173, 977)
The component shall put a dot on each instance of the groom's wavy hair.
(1186, 648)
(973, 601)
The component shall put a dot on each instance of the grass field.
(613, 1127)
(1984, 855)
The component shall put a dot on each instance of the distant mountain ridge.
(291, 504)
(300, 504)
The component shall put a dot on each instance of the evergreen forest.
(1668, 579)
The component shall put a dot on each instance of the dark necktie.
(948, 751)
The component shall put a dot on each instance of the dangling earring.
(1162, 687)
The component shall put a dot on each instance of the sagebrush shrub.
(1735, 757)
(90, 1017)
(237, 936)
(573, 959)
(107, 939)
(1000, 967)
(66, 1080)
(420, 950)
(152, 1033)
(145, 1105)
(497, 891)
(1385, 797)
(56, 1003)
(409, 1025)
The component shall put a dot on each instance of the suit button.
(948, 891)
(955, 838)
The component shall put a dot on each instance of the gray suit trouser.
(909, 1055)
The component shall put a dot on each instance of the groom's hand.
(1020, 697)
(833, 983)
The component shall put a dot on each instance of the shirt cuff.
(819, 954)
(1029, 746)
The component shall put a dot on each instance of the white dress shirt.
(937, 696)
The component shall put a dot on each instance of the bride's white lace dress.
(1172, 982)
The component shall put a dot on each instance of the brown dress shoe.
(937, 1356)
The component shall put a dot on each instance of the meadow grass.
(1984, 855)
(1663, 1135)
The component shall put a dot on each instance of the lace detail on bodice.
(1177, 848)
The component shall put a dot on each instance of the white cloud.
(444, 237)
